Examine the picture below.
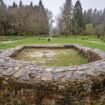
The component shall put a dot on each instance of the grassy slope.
(91, 41)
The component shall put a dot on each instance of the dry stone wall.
(22, 83)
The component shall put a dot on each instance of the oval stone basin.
(22, 73)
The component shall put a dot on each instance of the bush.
(49, 39)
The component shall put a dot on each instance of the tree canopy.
(24, 19)
(74, 21)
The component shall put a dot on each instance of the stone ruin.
(22, 83)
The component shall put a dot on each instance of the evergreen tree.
(31, 4)
(88, 16)
(78, 18)
(14, 5)
(103, 17)
(41, 4)
(65, 19)
(3, 18)
(68, 16)
(1, 2)
(43, 20)
(20, 4)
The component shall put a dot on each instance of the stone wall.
(22, 83)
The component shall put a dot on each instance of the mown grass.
(89, 41)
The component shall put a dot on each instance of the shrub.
(49, 39)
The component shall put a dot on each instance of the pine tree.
(43, 20)
(40, 3)
(78, 18)
(1, 2)
(31, 4)
(88, 16)
(3, 18)
(66, 18)
(20, 4)
(14, 5)
(103, 17)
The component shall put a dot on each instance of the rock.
(47, 77)
(47, 101)
(20, 73)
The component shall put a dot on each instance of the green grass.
(67, 59)
(90, 41)
(51, 57)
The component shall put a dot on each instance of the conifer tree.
(78, 18)
(14, 5)
(20, 4)
(31, 4)
(43, 20)
(65, 18)
(3, 18)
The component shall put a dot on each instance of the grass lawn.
(89, 41)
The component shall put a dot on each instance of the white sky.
(54, 5)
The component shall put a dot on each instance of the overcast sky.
(54, 5)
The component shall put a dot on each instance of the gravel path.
(7, 42)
